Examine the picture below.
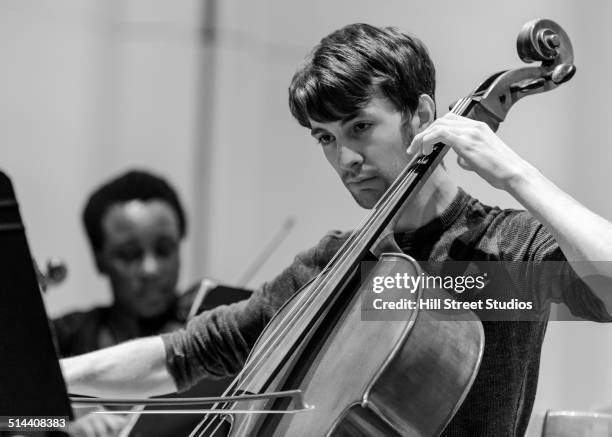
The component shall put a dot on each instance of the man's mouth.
(360, 180)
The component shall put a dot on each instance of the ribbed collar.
(437, 225)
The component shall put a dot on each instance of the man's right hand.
(134, 369)
(97, 425)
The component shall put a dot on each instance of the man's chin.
(366, 198)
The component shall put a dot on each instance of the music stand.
(31, 382)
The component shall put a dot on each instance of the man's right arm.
(214, 344)
(136, 368)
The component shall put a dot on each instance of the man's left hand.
(478, 148)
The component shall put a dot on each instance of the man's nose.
(349, 159)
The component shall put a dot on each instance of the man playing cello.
(367, 96)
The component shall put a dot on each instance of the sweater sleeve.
(549, 276)
(217, 343)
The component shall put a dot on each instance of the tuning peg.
(563, 73)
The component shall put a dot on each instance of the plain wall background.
(198, 94)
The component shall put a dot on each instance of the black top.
(501, 398)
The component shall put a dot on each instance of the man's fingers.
(463, 163)
(427, 146)
(439, 134)
(423, 142)
(112, 423)
(116, 421)
(451, 129)
(415, 146)
(98, 425)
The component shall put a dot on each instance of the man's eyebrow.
(317, 130)
(352, 116)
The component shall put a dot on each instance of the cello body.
(434, 355)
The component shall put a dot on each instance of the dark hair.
(132, 185)
(350, 65)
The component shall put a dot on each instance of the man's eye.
(324, 140)
(361, 126)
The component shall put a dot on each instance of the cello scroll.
(539, 40)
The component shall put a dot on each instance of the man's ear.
(424, 115)
(100, 264)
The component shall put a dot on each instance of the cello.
(307, 374)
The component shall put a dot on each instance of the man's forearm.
(133, 369)
(584, 237)
(581, 234)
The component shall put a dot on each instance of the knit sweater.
(501, 398)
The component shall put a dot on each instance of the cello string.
(275, 336)
(304, 301)
(342, 251)
(311, 295)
